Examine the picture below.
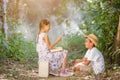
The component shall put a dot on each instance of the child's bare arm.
(57, 41)
(85, 61)
(47, 41)
(78, 60)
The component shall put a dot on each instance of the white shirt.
(97, 60)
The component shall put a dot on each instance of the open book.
(56, 49)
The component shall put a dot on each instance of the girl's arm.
(46, 39)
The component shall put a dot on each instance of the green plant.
(101, 18)
(17, 48)
(75, 45)
(3, 46)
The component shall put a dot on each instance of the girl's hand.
(59, 38)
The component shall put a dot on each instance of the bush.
(74, 44)
(3, 46)
(17, 48)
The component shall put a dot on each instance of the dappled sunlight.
(90, 1)
(72, 17)
(70, 21)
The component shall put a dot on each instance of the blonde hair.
(43, 22)
(41, 25)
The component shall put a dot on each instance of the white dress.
(44, 54)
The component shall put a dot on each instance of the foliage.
(101, 18)
(17, 48)
(3, 46)
(74, 44)
(13, 19)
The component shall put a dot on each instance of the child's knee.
(77, 68)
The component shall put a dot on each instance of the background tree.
(3, 4)
(101, 17)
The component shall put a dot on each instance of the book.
(56, 49)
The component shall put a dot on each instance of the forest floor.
(14, 70)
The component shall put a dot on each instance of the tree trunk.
(1, 15)
(17, 9)
(117, 43)
(1, 18)
(5, 27)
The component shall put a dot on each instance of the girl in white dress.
(56, 59)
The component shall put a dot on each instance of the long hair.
(41, 25)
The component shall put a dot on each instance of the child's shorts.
(84, 67)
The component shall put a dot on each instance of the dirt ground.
(13, 70)
(10, 70)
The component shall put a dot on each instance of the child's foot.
(64, 73)
(54, 72)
